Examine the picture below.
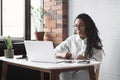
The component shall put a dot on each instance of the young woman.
(85, 44)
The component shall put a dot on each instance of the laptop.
(41, 51)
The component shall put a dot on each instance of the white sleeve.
(97, 55)
(62, 47)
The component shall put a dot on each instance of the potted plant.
(9, 52)
(38, 18)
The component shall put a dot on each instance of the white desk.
(51, 68)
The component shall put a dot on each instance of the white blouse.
(76, 46)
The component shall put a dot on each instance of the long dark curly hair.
(93, 40)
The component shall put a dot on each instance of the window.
(36, 4)
(13, 18)
(16, 18)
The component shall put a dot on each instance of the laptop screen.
(39, 50)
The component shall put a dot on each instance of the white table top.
(47, 65)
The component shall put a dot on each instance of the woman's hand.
(68, 55)
(64, 55)
(80, 57)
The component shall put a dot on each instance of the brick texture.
(56, 20)
(51, 23)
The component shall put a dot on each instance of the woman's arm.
(63, 55)
(62, 50)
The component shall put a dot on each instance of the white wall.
(106, 14)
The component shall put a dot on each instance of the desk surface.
(47, 65)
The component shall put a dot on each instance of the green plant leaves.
(38, 17)
(8, 43)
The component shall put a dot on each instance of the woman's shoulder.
(72, 37)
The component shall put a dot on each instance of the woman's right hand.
(64, 55)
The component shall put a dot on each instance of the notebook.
(41, 51)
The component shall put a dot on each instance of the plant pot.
(9, 53)
(39, 36)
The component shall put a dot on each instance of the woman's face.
(80, 28)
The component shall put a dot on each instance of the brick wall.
(56, 20)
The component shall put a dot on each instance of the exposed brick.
(50, 3)
(57, 40)
(48, 17)
(51, 23)
(59, 12)
(64, 11)
(65, 25)
(59, 35)
(65, 16)
(57, 30)
(65, 21)
(65, 35)
(47, 37)
(57, 17)
(59, 21)
(59, 2)
(59, 25)
(53, 12)
(57, 7)
(65, 29)
(46, 8)
(56, 20)
(55, 44)
(46, 0)
(47, 30)
(52, 35)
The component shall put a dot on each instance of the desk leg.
(4, 71)
(41, 75)
(54, 75)
(92, 73)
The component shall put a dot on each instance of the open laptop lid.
(41, 51)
